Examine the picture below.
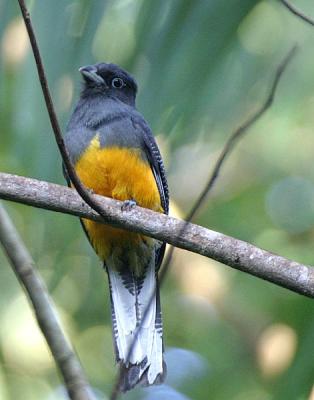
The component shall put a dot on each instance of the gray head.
(109, 80)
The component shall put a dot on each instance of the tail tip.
(133, 376)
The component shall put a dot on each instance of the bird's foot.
(128, 205)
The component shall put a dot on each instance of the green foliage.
(202, 68)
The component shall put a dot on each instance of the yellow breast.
(122, 174)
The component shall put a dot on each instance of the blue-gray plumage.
(115, 154)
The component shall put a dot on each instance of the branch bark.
(24, 268)
(235, 253)
(182, 235)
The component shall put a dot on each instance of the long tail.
(138, 341)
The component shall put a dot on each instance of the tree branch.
(93, 201)
(23, 266)
(225, 249)
(296, 12)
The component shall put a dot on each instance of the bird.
(115, 154)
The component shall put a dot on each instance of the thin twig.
(239, 132)
(298, 13)
(24, 268)
(225, 249)
(81, 189)
(231, 143)
(229, 146)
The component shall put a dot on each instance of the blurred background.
(202, 67)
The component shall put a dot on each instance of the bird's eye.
(117, 83)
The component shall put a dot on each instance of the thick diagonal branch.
(225, 249)
(23, 266)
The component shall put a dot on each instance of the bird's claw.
(128, 205)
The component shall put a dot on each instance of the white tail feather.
(130, 297)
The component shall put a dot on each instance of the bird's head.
(110, 80)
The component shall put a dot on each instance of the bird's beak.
(89, 73)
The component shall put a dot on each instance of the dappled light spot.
(200, 277)
(23, 344)
(21, 340)
(174, 210)
(184, 365)
(276, 348)
(15, 43)
(263, 22)
(64, 93)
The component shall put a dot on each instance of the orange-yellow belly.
(122, 174)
